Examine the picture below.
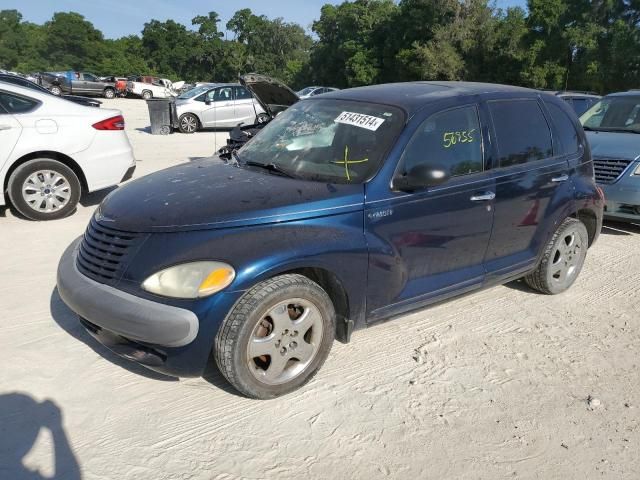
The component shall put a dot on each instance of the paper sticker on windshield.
(360, 120)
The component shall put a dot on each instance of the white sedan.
(53, 150)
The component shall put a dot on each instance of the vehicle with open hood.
(346, 209)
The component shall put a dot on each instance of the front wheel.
(562, 260)
(276, 337)
(188, 123)
(44, 189)
(147, 95)
(56, 90)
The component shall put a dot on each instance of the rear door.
(10, 128)
(427, 244)
(243, 106)
(532, 185)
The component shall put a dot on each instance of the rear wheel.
(109, 93)
(189, 123)
(562, 260)
(147, 94)
(44, 189)
(276, 337)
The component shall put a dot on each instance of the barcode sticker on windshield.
(360, 120)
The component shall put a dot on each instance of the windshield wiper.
(272, 167)
(611, 129)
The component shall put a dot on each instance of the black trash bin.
(161, 111)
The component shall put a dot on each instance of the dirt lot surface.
(504, 383)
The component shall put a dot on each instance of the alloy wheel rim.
(285, 341)
(189, 123)
(567, 258)
(46, 191)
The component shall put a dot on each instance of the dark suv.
(346, 209)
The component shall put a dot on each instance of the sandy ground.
(504, 383)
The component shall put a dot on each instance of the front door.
(532, 185)
(220, 109)
(427, 244)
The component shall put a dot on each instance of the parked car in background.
(216, 105)
(23, 82)
(313, 91)
(52, 151)
(347, 209)
(77, 83)
(579, 101)
(613, 131)
(150, 87)
(120, 84)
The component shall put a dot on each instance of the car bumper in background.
(623, 199)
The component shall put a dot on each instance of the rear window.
(17, 103)
(522, 131)
(569, 142)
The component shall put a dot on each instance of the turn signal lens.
(191, 280)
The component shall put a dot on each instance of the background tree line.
(573, 44)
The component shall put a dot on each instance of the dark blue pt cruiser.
(346, 209)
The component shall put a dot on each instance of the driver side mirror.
(421, 176)
(207, 101)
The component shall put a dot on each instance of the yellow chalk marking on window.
(346, 162)
(450, 139)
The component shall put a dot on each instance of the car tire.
(35, 199)
(56, 90)
(147, 94)
(289, 319)
(109, 93)
(188, 123)
(562, 260)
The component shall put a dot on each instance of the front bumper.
(121, 313)
(623, 199)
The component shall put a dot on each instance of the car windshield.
(326, 140)
(306, 91)
(194, 92)
(614, 114)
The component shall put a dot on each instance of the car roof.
(629, 93)
(413, 96)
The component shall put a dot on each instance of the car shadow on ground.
(21, 419)
(213, 376)
(620, 228)
(69, 322)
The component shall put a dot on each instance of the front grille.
(608, 170)
(103, 252)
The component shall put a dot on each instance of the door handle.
(5, 127)
(485, 197)
(560, 179)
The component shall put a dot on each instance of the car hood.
(614, 145)
(207, 193)
(272, 94)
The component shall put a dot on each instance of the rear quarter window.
(568, 136)
(522, 132)
(12, 103)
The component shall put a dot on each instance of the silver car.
(313, 91)
(216, 105)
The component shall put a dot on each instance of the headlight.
(190, 280)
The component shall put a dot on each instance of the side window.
(17, 104)
(201, 98)
(568, 135)
(581, 105)
(451, 139)
(522, 132)
(223, 94)
(89, 78)
(242, 93)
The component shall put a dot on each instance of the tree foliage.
(557, 44)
